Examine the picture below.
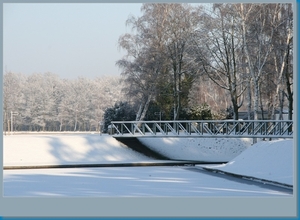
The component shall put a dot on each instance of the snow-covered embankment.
(197, 149)
(266, 160)
(19, 150)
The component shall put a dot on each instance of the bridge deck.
(211, 128)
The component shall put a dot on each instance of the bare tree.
(283, 36)
(258, 28)
(220, 56)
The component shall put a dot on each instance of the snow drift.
(269, 160)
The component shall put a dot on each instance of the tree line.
(45, 102)
(243, 51)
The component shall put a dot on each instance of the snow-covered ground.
(267, 160)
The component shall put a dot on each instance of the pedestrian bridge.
(204, 128)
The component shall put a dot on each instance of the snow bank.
(270, 160)
(198, 149)
(266, 160)
(65, 149)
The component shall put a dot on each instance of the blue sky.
(71, 40)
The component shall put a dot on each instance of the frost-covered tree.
(12, 97)
(158, 59)
(45, 102)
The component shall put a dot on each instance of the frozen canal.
(132, 182)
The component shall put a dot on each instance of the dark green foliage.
(153, 113)
(200, 112)
(121, 111)
(165, 99)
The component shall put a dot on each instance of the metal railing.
(207, 128)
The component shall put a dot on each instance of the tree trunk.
(143, 115)
(144, 112)
(249, 98)
(256, 98)
(61, 124)
(138, 115)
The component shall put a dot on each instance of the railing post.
(143, 128)
(290, 128)
(166, 128)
